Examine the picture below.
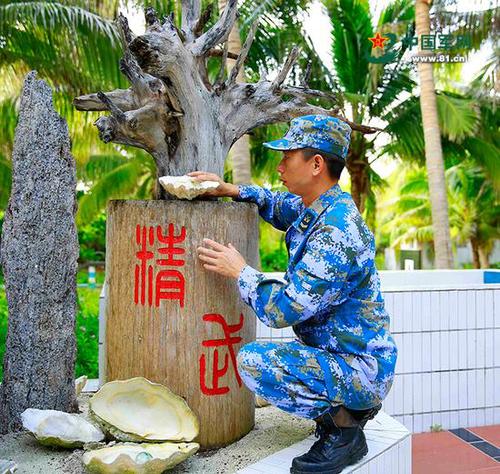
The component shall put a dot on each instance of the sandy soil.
(274, 430)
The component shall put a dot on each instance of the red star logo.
(378, 41)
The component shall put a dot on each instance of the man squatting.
(341, 366)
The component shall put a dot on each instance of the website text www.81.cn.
(438, 58)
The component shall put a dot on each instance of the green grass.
(87, 331)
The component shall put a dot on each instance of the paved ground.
(471, 450)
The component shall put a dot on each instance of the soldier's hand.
(218, 258)
(224, 189)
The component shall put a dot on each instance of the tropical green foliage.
(87, 333)
(474, 208)
(92, 240)
(369, 89)
(470, 129)
(75, 46)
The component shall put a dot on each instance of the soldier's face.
(295, 172)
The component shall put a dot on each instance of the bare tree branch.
(305, 80)
(218, 33)
(152, 20)
(220, 53)
(190, 16)
(290, 61)
(144, 85)
(126, 34)
(244, 52)
(313, 93)
(129, 67)
(203, 20)
(116, 112)
(220, 76)
(247, 106)
(123, 98)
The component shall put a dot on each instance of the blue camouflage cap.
(328, 134)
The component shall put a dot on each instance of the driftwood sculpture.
(167, 319)
(174, 112)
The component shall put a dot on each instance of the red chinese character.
(228, 341)
(170, 250)
(143, 271)
(168, 284)
(173, 282)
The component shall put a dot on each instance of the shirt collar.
(310, 214)
(326, 199)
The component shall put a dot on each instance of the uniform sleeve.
(280, 209)
(317, 282)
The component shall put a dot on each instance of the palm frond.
(61, 42)
(351, 28)
(459, 118)
(478, 26)
(117, 184)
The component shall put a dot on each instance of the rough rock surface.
(39, 252)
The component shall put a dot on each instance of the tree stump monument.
(167, 318)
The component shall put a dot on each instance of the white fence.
(447, 328)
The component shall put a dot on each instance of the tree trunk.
(475, 253)
(161, 304)
(484, 257)
(357, 166)
(358, 185)
(240, 151)
(39, 258)
(433, 150)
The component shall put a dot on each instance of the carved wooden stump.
(172, 321)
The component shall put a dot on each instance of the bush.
(275, 261)
(92, 239)
(273, 253)
(87, 333)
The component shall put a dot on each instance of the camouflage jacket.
(331, 293)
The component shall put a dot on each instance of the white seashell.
(138, 458)
(186, 187)
(140, 410)
(57, 428)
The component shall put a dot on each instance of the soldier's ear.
(318, 161)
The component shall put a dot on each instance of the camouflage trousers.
(303, 380)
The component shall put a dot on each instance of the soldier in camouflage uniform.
(341, 366)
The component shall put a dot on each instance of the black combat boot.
(362, 416)
(337, 447)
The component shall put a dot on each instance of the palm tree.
(433, 150)
(369, 89)
(475, 210)
(57, 40)
(86, 71)
(480, 27)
